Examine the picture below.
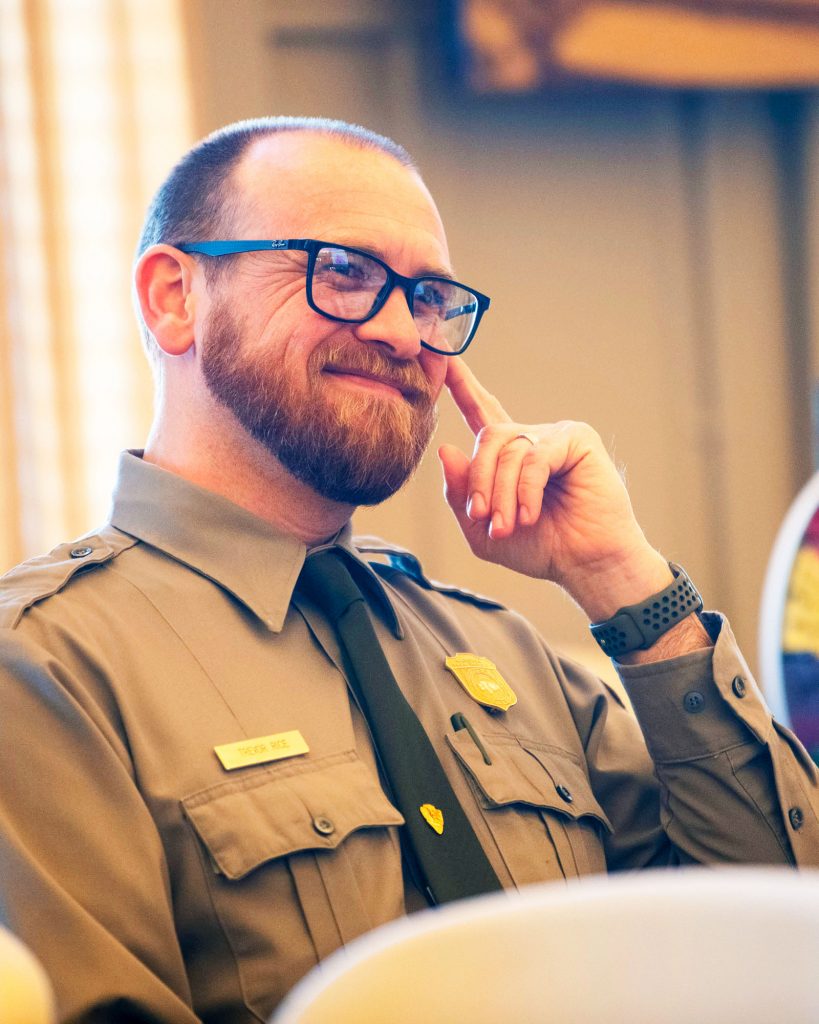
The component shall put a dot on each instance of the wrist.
(687, 636)
(601, 592)
(640, 626)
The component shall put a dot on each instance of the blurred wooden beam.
(520, 45)
(673, 46)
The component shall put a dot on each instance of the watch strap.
(637, 626)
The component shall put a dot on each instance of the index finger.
(478, 406)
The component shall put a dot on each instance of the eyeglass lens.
(348, 284)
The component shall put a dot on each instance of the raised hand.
(547, 500)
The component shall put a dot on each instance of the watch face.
(789, 623)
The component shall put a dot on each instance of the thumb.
(456, 481)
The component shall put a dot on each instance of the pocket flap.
(259, 817)
(530, 773)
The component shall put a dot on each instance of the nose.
(393, 327)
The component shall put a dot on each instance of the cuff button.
(694, 702)
(738, 686)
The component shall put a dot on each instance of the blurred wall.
(648, 260)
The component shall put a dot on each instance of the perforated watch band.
(638, 626)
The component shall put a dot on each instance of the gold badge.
(433, 817)
(261, 750)
(482, 681)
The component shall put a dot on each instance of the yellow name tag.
(261, 749)
(482, 681)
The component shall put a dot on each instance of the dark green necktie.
(452, 863)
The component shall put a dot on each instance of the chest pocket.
(539, 806)
(299, 860)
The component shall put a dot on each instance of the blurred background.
(634, 184)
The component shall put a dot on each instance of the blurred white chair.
(25, 992)
(687, 946)
(774, 595)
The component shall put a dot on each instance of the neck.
(247, 474)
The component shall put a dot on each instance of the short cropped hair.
(195, 203)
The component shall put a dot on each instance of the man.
(197, 799)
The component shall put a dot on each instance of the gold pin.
(433, 817)
(482, 681)
(261, 750)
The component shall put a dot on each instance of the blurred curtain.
(95, 106)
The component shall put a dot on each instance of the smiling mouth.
(372, 382)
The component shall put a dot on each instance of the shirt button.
(80, 552)
(738, 686)
(693, 702)
(323, 826)
(797, 818)
(564, 794)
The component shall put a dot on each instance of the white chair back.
(686, 946)
(25, 992)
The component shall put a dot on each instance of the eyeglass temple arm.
(250, 245)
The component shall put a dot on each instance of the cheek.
(288, 342)
(434, 367)
(285, 325)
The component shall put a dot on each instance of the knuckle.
(584, 430)
(579, 432)
(491, 432)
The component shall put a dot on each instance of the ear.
(165, 280)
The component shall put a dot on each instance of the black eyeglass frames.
(351, 286)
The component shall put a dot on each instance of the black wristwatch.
(638, 626)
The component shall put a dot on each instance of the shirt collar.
(256, 563)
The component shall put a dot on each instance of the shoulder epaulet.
(396, 560)
(46, 575)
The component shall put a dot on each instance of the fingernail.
(523, 516)
(476, 506)
(496, 524)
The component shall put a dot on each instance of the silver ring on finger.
(526, 437)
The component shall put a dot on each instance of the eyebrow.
(431, 270)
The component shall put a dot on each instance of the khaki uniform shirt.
(145, 875)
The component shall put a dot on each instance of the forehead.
(298, 185)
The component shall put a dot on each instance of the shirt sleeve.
(85, 881)
(734, 785)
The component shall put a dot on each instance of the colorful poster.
(800, 640)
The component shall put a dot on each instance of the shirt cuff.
(699, 704)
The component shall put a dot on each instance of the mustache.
(404, 374)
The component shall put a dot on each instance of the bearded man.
(233, 739)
